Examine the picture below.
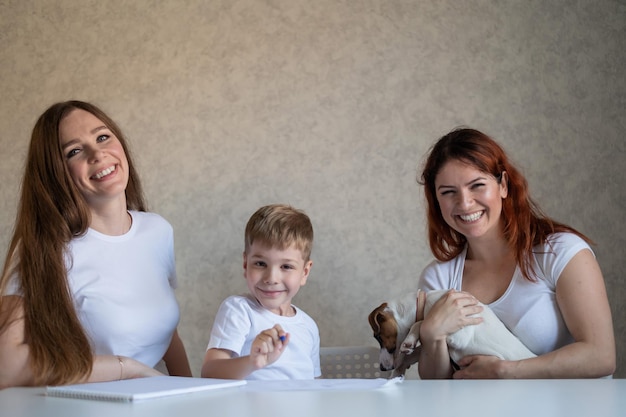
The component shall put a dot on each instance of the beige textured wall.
(328, 105)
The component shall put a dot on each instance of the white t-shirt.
(123, 288)
(528, 309)
(241, 318)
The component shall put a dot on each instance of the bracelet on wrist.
(121, 361)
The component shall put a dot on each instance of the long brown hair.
(525, 225)
(51, 212)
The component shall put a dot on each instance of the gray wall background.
(328, 105)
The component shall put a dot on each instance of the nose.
(270, 276)
(94, 154)
(465, 199)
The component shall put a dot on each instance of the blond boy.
(262, 335)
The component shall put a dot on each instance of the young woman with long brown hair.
(492, 243)
(86, 292)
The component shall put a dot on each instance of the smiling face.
(470, 200)
(95, 158)
(274, 276)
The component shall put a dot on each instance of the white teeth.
(471, 217)
(104, 172)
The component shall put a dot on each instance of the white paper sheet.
(323, 384)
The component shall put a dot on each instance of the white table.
(523, 398)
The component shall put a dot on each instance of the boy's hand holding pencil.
(268, 346)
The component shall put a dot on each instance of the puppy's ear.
(376, 317)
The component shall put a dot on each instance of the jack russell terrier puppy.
(396, 326)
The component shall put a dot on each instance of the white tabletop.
(523, 398)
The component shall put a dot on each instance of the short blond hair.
(280, 226)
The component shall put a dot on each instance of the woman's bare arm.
(14, 352)
(176, 357)
(582, 299)
(15, 367)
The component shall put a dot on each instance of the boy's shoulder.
(240, 300)
(244, 302)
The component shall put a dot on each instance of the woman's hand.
(481, 367)
(452, 312)
(449, 314)
(113, 368)
(130, 368)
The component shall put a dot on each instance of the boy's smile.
(274, 276)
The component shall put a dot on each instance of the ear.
(305, 272)
(504, 184)
(245, 264)
(375, 317)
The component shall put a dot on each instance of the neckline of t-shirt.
(118, 238)
(506, 292)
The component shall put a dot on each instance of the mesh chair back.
(351, 362)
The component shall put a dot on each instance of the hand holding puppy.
(452, 312)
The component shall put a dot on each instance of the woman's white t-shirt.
(528, 309)
(123, 288)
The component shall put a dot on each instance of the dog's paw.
(407, 349)
(411, 341)
(397, 372)
(409, 344)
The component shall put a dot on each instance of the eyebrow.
(92, 132)
(468, 183)
(263, 258)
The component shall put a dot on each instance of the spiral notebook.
(140, 389)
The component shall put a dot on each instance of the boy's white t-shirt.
(123, 288)
(528, 309)
(241, 318)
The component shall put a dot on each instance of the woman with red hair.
(493, 244)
